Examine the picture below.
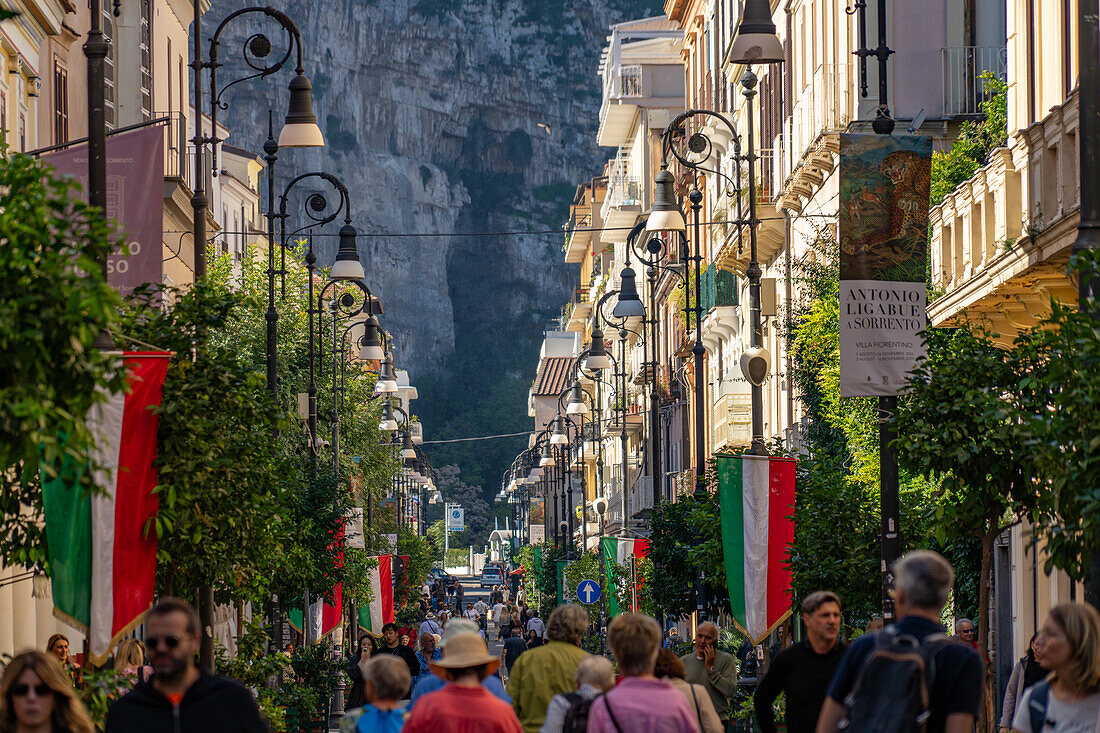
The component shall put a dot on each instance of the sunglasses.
(154, 642)
(21, 690)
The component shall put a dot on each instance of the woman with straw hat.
(463, 705)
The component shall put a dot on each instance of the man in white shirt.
(498, 611)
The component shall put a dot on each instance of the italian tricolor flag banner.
(103, 546)
(756, 497)
(619, 550)
(380, 612)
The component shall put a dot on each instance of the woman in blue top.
(385, 680)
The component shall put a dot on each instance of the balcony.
(624, 199)
(720, 314)
(622, 89)
(640, 498)
(820, 112)
(577, 310)
(577, 234)
(961, 66)
(1001, 240)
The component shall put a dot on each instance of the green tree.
(962, 427)
(1061, 393)
(54, 302)
(976, 140)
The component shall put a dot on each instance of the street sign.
(588, 592)
(456, 519)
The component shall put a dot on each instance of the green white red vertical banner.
(619, 551)
(102, 546)
(756, 498)
(380, 611)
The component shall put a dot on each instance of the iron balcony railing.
(964, 90)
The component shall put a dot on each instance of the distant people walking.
(181, 698)
(715, 670)
(36, 694)
(386, 679)
(548, 670)
(430, 625)
(879, 684)
(1025, 673)
(1068, 701)
(640, 703)
(569, 711)
(535, 624)
(803, 670)
(463, 705)
(670, 669)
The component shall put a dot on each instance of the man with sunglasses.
(966, 633)
(181, 698)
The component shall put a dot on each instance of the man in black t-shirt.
(393, 646)
(922, 580)
(803, 670)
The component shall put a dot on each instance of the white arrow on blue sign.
(588, 592)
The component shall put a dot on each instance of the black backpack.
(891, 694)
(576, 717)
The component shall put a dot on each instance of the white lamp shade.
(408, 453)
(301, 135)
(597, 361)
(390, 424)
(576, 408)
(386, 386)
(546, 461)
(756, 48)
(371, 353)
(559, 439)
(347, 270)
(671, 220)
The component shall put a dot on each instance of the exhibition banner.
(883, 237)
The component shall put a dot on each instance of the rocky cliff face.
(449, 118)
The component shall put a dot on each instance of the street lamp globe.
(558, 437)
(300, 129)
(387, 422)
(387, 379)
(407, 450)
(597, 352)
(665, 216)
(547, 461)
(756, 41)
(629, 305)
(372, 341)
(347, 265)
(577, 405)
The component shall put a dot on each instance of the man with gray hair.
(548, 670)
(862, 691)
(965, 633)
(595, 676)
(712, 668)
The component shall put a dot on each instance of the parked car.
(491, 577)
(448, 579)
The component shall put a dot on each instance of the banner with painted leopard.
(883, 237)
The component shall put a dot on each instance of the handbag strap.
(698, 714)
(611, 713)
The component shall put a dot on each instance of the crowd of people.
(909, 676)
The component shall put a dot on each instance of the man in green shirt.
(548, 670)
(713, 669)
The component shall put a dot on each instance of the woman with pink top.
(640, 703)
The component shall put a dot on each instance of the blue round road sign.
(588, 592)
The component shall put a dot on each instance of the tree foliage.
(976, 140)
(54, 301)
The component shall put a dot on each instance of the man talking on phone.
(713, 669)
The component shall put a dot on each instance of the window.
(110, 103)
(60, 103)
(4, 114)
(22, 132)
(168, 76)
(145, 47)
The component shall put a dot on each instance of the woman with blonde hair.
(130, 660)
(36, 695)
(1068, 700)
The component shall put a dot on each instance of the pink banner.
(135, 187)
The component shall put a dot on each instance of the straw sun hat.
(465, 650)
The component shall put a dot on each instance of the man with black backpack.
(568, 712)
(910, 677)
